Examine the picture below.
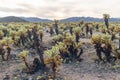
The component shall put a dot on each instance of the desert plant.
(102, 43)
(77, 31)
(106, 18)
(56, 26)
(54, 59)
(23, 55)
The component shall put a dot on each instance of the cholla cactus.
(96, 39)
(105, 39)
(58, 38)
(12, 33)
(22, 31)
(69, 40)
(106, 18)
(7, 41)
(77, 30)
(1, 34)
(23, 54)
(62, 47)
(53, 58)
(101, 39)
(40, 27)
(103, 29)
(117, 29)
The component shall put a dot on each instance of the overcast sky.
(59, 8)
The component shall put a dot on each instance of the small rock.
(7, 77)
(99, 76)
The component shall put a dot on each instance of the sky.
(59, 9)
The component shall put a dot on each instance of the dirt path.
(8, 67)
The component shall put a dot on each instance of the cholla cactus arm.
(23, 54)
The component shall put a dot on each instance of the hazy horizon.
(59, 9)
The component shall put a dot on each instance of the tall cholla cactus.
(106, 18)
(56, 26)
(51, 30)
(77, 32)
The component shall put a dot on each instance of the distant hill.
(35, 19)
(11, 19)
(88, 19)
(70, 19)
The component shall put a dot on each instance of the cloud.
(60, 8)
(15, 10)
(60, 11)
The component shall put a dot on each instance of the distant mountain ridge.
(35, 19)
(12, 19)
(88, 19)
(70, 19)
